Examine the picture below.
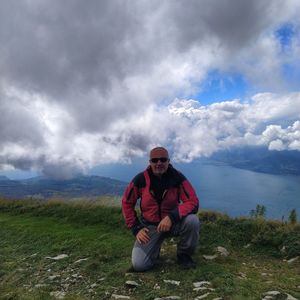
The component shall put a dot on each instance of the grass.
(99, 247)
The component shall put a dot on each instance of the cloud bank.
(100, 82)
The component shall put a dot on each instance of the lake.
(228, 189)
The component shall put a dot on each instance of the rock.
(223, 251)
(115, 296)
(272, 293)
(210, 257)
(94, 285)
(156, 286)
(242, 275)
(80, 260)
(290, 297)
(247, 246)
(53, 277)
(264, 274)
(58, 294)
(202, 296)
(40, 285)
(172, 282)
(203, 288)
(58, 257)
(168, 298)
(218, 298)
(201, 283)
(131, 284)
(292, 260)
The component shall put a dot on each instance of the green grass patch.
(98, 247)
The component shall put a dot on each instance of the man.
(168, 206)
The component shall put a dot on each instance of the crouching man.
(168, 206)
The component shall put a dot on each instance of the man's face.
(159, 161)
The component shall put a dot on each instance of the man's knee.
(140, 261)
(192, 222)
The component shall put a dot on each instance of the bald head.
(159, 160)
(161, 151)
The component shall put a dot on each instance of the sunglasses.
(156, 159)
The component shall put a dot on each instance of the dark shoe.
(185, 261)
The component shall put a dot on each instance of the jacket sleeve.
(189, 202)
(130, 197)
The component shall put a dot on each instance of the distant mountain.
(43, 188)
(3, 177)
(260, 159)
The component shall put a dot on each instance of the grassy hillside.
(82, 250)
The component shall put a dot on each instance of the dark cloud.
(79, 80)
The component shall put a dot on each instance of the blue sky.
(88, 85)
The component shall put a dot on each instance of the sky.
(83, 83)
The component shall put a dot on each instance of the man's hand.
(143, 236)
(164, 225)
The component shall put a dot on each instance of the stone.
(242, 275)
(40, 285)
(203, 288)
(115, 296)
(53, 277)
(247, 246)
(172, 282)
(223, 251)
(272, 293)
(80, 260)
(94, 285)
(131, 284)
(290, 297)
(292, 260)
(58, 257)
(210, 257)
(156, 286)
(168, 298)
(58, 294)
(202, 296)
(201, 283)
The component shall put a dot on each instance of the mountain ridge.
(45, 188)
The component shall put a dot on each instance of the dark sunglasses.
(156, 159)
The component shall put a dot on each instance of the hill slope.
(82, 251)
(40, 187)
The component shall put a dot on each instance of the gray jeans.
(145, 255)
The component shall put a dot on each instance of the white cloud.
(85, 83)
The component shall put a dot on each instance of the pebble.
(115, 296)
(53, 277)
(210, 257)
(172, 282)
(201, 283)
(223, 251)
(290, 297)
(156, 286)
(202, 296)
(168, 298)
(80, 260)
(292, 260)
(203, 288)
(272, 293)
(40, 285)
(242, 275)
(58, 257)
(58, 294)
(131, 284)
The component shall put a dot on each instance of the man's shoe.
(185, 261)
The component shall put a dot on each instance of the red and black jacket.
(169, 195)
